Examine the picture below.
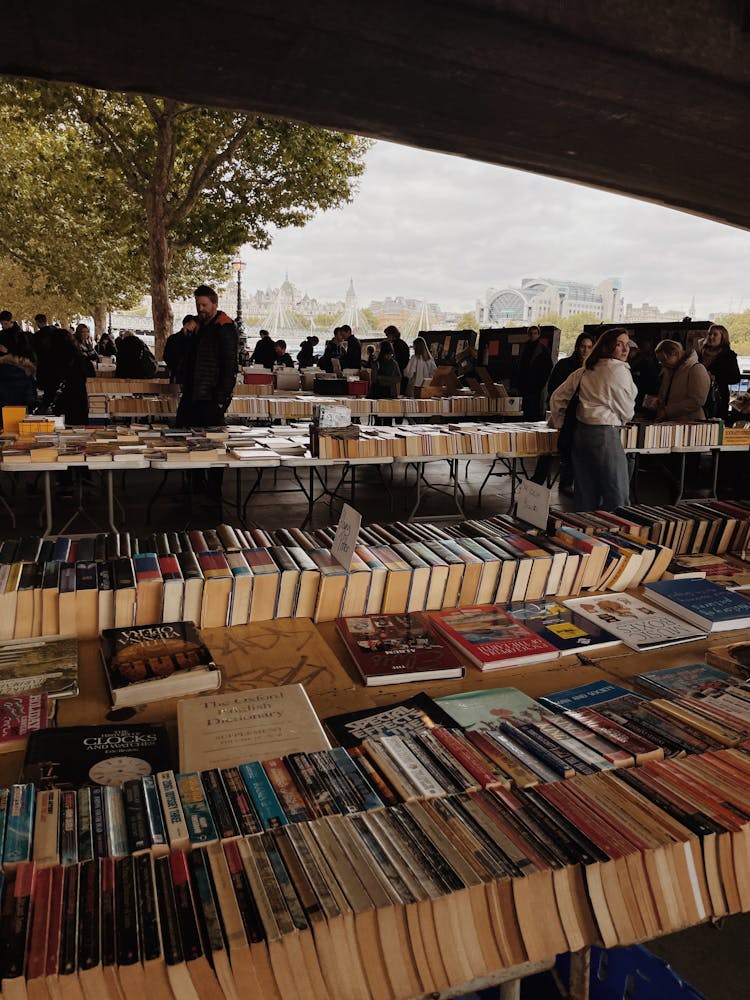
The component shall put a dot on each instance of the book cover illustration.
(691, 679)
(397, 648)
(137, 659)
(486, 709)
(402, 719)
(637, 624)
(22, 715)
(31, 666)
(490, 637)
(558, 625)
(75, 756)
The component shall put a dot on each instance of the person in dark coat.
(306, 353)
(534, 368)
(176, 347)
(282, 357)
(105, 347)
(210, 373)
(134, 359)
(16, 341)
(17, 386)
(400, 353)
(52, 349)
(352, 356)
(717, 357)
(334, 349)
(265, 351)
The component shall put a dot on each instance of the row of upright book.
(399, 901)
(231, 576)
(673, 434)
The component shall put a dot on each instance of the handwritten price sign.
(347, 533)
(533, 503)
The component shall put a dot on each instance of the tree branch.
(204, 168)
(134, 178)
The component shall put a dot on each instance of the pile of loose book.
(442, 841)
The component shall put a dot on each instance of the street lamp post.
(238, 265)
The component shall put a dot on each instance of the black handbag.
(569, 424)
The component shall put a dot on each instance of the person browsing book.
(606, 401)
(684, 383)
(420, 367)
(720, 361)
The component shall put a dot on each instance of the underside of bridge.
(645, 97)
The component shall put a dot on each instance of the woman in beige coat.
(684, 383)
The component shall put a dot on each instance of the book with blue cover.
(568, 631)
(689, 679)
(587, 696)
(702, 603)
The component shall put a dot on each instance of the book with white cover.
(638, 624)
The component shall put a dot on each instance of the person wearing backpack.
(684, 383)
(720, 361)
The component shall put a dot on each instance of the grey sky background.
(427, 225)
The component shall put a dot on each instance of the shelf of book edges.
(299, 834)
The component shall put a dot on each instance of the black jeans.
(203, 413)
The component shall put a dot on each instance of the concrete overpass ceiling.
(650, 99)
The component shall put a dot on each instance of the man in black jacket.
(209, 373)
(265, 351)
(176, 346)
(15, 340)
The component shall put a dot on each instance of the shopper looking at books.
(720, 361)
(386, 374)
(265, 351)
(606, 401)
(105, 346)
(85, 343)
(134, 359)
(334, 349)
(306, 353)
(282, 358)
(352, 349)
(400, 352)
(16, 341)
(176, 348)
(420, 368)
(684, 383)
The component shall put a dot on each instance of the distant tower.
(351, 316)
(691, 309)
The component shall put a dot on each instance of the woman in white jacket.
(606, 401)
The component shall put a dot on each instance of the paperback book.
(703, 603)
(691, 679)
(22, 715)
(32, 666)
(75, 756)
(637, 624)
(563, 628)
(490, 639)
(486, 709)
(146, 663)
(395, 649)
(727, 573)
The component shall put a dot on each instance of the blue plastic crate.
(631, 974)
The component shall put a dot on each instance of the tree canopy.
(110, 195)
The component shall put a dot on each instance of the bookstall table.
(683, 452)
(317, 471)
(419, 462)
(512, 462)
(166, 466)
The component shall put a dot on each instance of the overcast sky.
(442, 228)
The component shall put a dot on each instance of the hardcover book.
(727, 573)
(490, 639)
(703, 603)
(224, 730)
(74, 756)
(566, 630)
(691, 679)
(30, 666)
(734, 657)
(395, 649)
(637, 624)
(487, 708)
(401, 719)
(146, 663)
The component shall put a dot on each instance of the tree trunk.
(158, 262)
(99, 312)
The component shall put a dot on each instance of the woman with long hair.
(606, 401)
(717, 357)
(420, 367)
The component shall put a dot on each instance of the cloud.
(443, 228)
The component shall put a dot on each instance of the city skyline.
(437, 227)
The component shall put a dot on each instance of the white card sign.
(347, 533)
(533, 503)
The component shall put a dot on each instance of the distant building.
(406, 313)
(646, 313)
(537, 297)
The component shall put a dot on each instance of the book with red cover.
(21, 715)
(395, 649)
(490, 639)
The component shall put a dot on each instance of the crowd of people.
(603, 385)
